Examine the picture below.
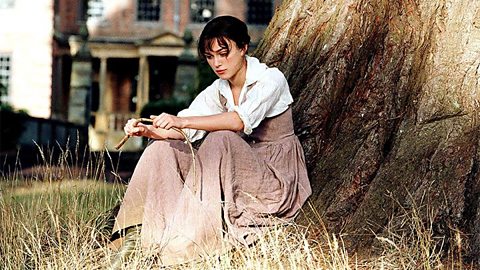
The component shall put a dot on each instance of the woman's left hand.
(167, 121)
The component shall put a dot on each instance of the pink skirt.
(240, 186)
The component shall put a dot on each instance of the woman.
(250, 169)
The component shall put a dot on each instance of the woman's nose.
(217, 62)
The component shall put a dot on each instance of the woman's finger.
(169, 125)
(165, 121)
(134, 127)
(160, 121)
(139, 130)
(128, 127)
(157, 123)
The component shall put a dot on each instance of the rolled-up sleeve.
(270, 96)
(206, 103)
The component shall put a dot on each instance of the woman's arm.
(163, 123)
(221, 121)
(133, 127)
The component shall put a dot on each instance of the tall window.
(259, 11)
(148, 10)
(4, 4)
(95, 9)
(4, 77)
(201, 10)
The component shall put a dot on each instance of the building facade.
(26, 55)
(134, 45)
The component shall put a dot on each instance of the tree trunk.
(387, 108)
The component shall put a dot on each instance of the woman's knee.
(155, 145)
(165, 146)
(219, 140)
(221, 135)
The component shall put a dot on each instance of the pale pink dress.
(242, 184)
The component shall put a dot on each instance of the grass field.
(64, 223)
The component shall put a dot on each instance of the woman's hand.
(162, 125)
(133, 127)
(167, 121)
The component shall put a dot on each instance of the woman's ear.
(245, 49)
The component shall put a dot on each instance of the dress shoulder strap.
(223, 101)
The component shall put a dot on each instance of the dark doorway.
(162, 76)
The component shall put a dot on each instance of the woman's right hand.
(134, 127)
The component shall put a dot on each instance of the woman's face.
(226, 64)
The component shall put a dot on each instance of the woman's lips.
(221, 71)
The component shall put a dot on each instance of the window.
(95, 9)
(4, 77)
(201, 11)
(259, 11)
(4, 4)
(148, 10)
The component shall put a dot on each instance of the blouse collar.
(255, 71)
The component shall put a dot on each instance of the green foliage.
(171, 106)
(3, 92)
(12, 125)
(206, 76)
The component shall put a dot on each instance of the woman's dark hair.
(220, 29)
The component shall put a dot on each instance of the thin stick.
(126, 137)
(122, 142)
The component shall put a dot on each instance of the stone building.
(134, 46)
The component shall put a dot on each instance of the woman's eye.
(208, 57)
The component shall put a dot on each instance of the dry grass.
(53, 225)
(64, 223)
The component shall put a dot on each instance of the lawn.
(66, 223)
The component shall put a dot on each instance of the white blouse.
(264, 94)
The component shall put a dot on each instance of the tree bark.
(387, 108)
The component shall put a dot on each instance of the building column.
(80, 85)
(143, 83)
(101, 120)
(102, 83)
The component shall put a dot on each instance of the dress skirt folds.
(240, 185)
